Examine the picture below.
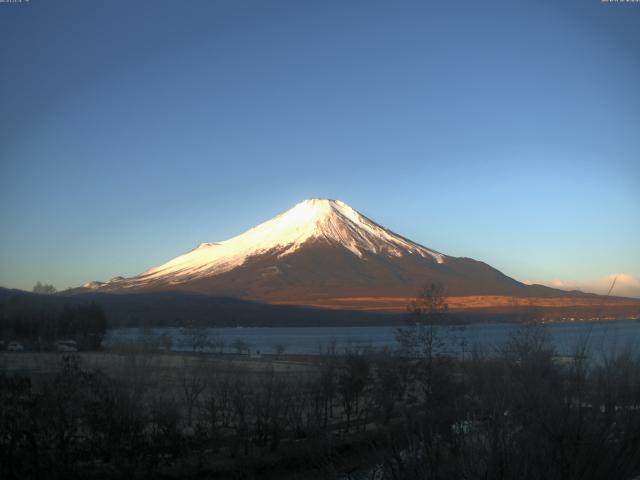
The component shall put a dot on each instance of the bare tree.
(352, 381)
(427, 313)
(280, 349)
(391, 381)
(421, 341)
(217, 343)
(197, 337)
(239, 345)
(44, 289)
(166, 341)
(193, 384)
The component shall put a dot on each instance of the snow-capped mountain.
(318, 249)
(312, 220)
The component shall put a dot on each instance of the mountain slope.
(319, 249)
(313, 220)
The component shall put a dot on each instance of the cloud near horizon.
(626, 285)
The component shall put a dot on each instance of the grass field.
(476, 302)
(153, 367)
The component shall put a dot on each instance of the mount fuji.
(321, 253)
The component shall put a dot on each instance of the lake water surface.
(603, 337)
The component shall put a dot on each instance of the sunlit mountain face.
(320, 252)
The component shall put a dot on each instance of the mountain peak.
(322, 205)
(318, 210)
(314, 220)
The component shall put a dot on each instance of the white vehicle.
(66, 346)
(15, 347)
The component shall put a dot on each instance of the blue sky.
(503, 131)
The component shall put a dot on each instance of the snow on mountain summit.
(315, 219)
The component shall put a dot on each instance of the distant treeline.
(41, 320)
(176, 309)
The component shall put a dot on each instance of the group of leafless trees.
(520, 412)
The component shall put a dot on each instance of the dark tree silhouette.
(44, 289)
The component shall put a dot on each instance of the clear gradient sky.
(506, 131)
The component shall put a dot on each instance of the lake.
(603, 337)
